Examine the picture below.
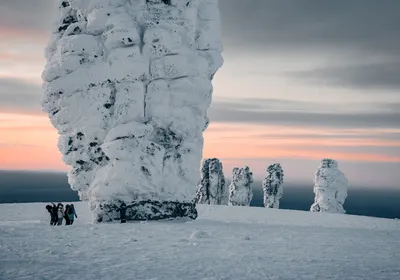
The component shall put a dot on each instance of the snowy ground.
(224, 243)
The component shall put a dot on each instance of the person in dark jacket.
(49, 208)
(122, 212)
(66, 217)
(71, 213)
(53, 213)
(54, 210)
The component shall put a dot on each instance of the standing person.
(66, 217)
(122, 212)
(49, 208)
(71, 214)
(60, 213)
(54, 210)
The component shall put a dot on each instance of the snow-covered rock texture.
(211, 188)
(330, 188)
(272, 186)
(240, 190)
(127, 85)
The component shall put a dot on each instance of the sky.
(302, 80)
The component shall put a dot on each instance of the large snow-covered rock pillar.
(240, 190)
(330, 188)
(211, 188)
(128, 85)
(272, 186)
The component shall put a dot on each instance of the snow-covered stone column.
(240, 190)
(78, 95)
(272, 186)
(128, 85)
(211, 188)
(330, 188)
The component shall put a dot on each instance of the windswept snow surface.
(225, 242)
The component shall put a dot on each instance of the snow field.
(223, 243)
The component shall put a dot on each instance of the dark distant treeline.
(25, 186)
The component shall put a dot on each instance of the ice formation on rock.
(330, 188)
(240, 191)
(211, 188)
(272, 186)
(127, 85)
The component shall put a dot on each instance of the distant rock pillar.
(272, 186)
(240, 190)
(211, 188)
(330, 188)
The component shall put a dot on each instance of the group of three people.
(58, 214)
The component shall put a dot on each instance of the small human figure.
(71, 213)
(60, 213)
(49, 208)
(66, 217)
(54, 213)
(52, 209)
(122, 212)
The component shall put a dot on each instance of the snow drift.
(240, 191)
(128, 85)
(272, 186)
(330, 188)
(211, 189)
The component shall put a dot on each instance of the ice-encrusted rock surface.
(128, 85)
(240, 190)
(211, 188)
(272, 186)
(330, 188)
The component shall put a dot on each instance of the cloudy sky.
(302, 80)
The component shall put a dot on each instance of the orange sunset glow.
(30, 142)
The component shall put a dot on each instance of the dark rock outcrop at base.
(148, 211)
